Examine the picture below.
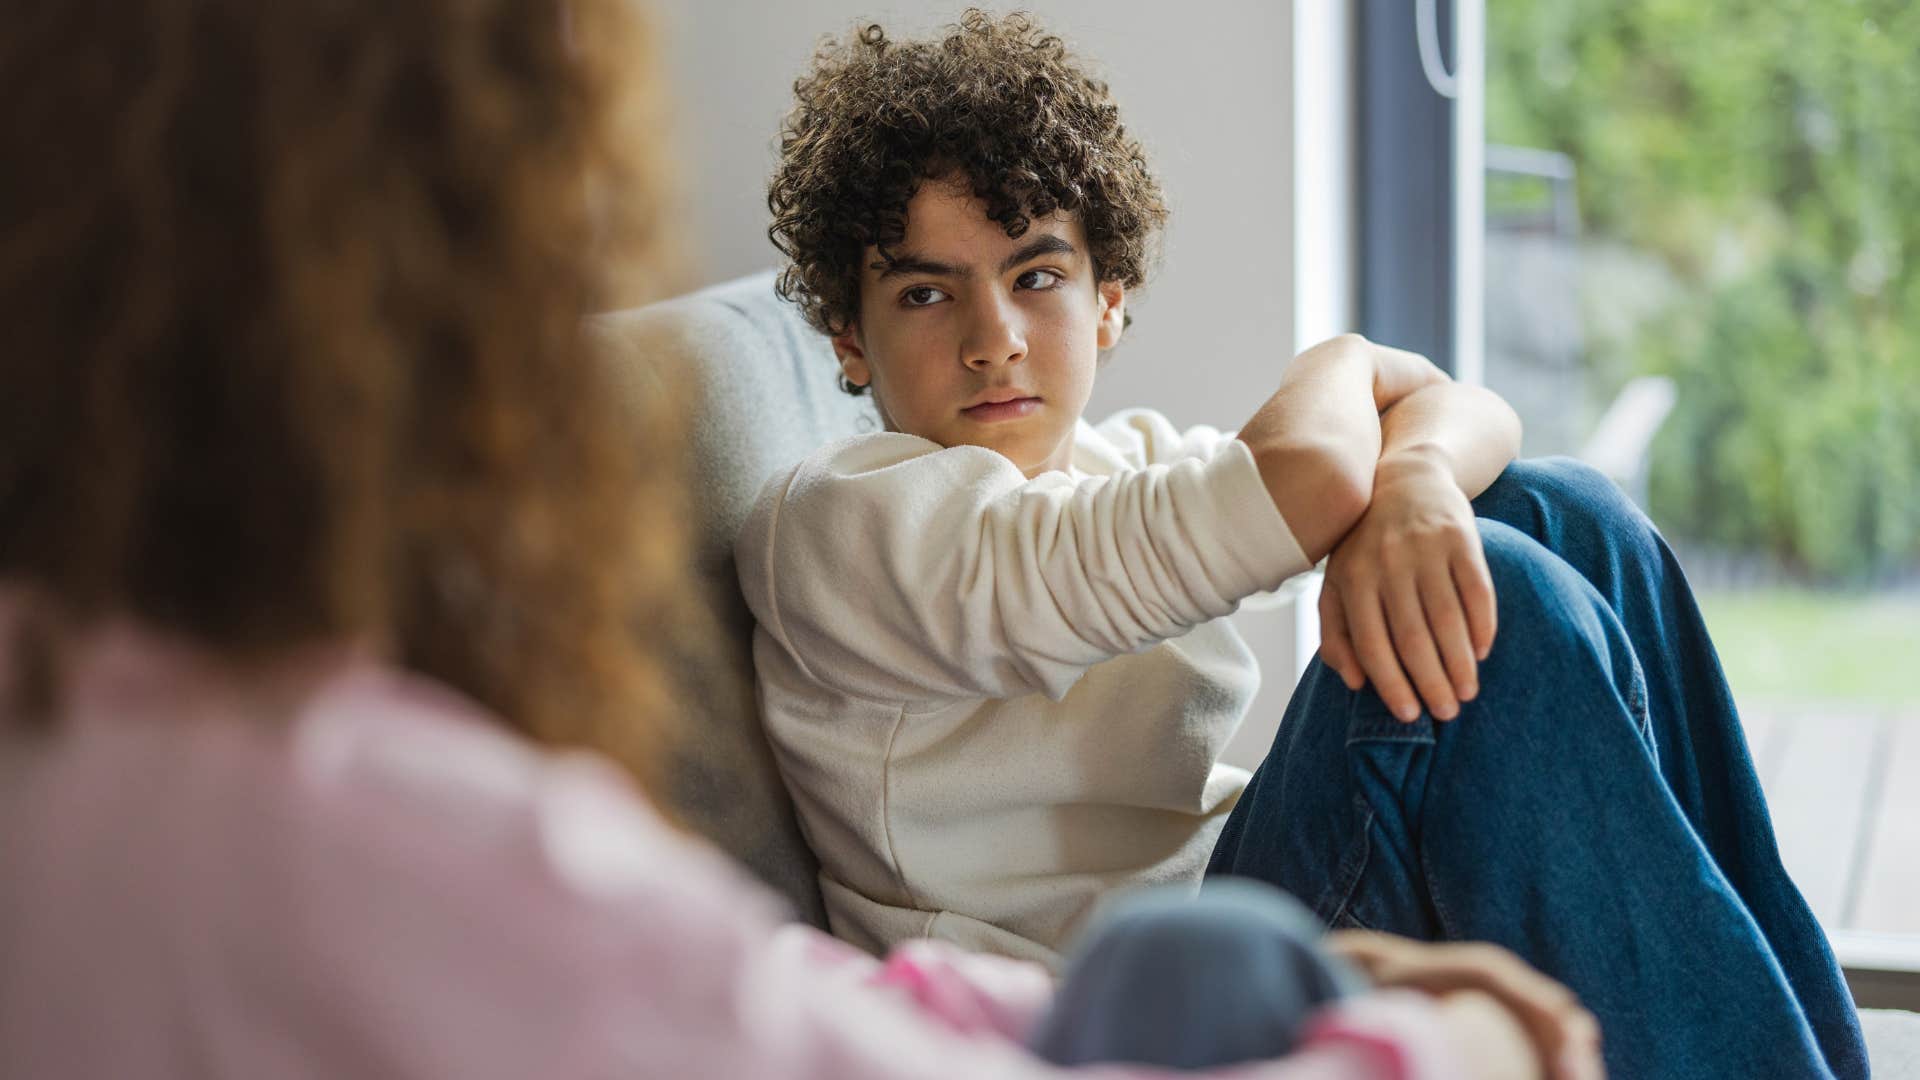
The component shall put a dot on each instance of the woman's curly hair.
(292, 295)
(998, 102)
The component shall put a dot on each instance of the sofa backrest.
(761, 391)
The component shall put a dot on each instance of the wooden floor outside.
(1843, 785)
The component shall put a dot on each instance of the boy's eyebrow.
(1044, 245)
(915, 264)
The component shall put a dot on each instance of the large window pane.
(1703, 273)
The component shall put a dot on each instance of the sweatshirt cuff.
(1252, 540)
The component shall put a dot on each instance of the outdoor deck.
(1843, 785)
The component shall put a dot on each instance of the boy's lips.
(1001, 406)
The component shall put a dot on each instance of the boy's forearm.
(1317, 441)
(1468, 432)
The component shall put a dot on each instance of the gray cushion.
(761, 392)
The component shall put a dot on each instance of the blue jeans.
(1594, 809)
(1160, 978)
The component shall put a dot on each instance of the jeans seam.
(1337, 899)
(1440, 914)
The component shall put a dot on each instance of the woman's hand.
(1487, 1039)
(1563, 1035)
(1408, 602)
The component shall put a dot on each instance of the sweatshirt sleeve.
(936, 1008)
(891, 569)
(1383, 1033)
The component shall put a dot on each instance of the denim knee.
(1530, 582)
(1548, 614)
(1570, 493)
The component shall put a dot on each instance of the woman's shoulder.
(388, 846)
(387, 745)
(403, 780)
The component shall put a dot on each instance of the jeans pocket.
(1348, 919)
(1381, 881)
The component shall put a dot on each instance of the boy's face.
(975, 338)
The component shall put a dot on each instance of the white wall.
(1209, 88)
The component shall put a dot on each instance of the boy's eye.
(922, 296)
(1038, 279)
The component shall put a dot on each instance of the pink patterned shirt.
(365, 877)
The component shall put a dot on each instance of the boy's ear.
(1113, 313)
(852, 355)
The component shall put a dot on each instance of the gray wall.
(1211, 100)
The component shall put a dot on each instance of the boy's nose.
(996, 338)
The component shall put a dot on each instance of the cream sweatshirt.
(994, 699)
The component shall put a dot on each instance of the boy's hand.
(1565, 1037)
(1408, 602)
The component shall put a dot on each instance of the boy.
(990, 650)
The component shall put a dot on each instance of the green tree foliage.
(1767, 155)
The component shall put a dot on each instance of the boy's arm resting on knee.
(890, 569)
(1408, 602)
(1317, 439)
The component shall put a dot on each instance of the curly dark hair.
(997, 101)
